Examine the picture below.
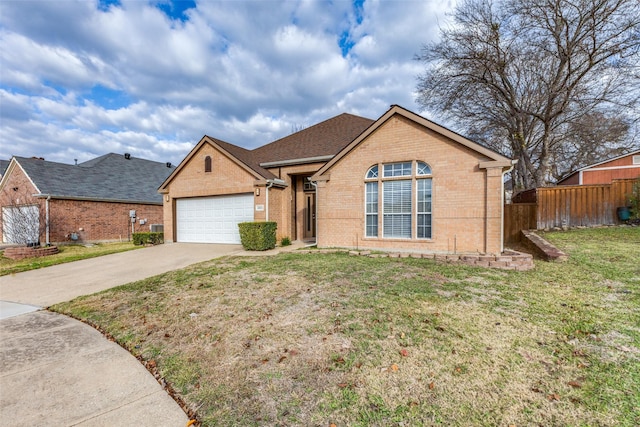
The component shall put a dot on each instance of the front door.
(309, 216)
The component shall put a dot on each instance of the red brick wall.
(99, 221)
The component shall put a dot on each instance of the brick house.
(52, 202)
(400, 182)
(621, 167)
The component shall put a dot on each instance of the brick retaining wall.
(508, 260)
(23, 252)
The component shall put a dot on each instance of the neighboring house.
(91, 201)
(400, 182)
(622, 167)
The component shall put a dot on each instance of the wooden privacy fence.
(567, 206)
(517, 217)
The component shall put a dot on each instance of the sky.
(79, 79)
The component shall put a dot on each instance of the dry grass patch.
(68, 253)
(329, 338)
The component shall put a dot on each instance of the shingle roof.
(111, 177)
(326, 138)
(245, 156)
(4, 164)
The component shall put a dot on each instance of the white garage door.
(212, 219)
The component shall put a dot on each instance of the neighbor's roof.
(4, 164)
(111, 177)
(569, 175)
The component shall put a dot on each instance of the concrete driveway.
(57, 371)
(63, 282)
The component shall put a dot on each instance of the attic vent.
(168, 164)
(127, 156)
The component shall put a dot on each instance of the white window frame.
(368, 214)
(389, 210)
(393, 172)
(427, 213)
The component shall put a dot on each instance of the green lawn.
(67, 253)
(315, 339)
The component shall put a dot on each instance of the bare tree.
(23, 220)
(297, 127)
(552, 83)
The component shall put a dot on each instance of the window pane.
(397, 169)
(372, 172)
(372, 226)
(422, 169)
(371, 197)
(397, 226)
(424, 208)
(371, 209)
(424, 226)
(397, 196)
(397, 208)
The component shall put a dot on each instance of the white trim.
(10, 168)
(610, 160)
(613, 167)
(297, 161)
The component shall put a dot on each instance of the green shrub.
(147, 238)
(634, 200)
(285, 241)
(258, 236)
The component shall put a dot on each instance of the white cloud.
(245, 71)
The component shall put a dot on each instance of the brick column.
(494, 208)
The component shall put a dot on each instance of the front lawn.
(67, 253)
(320, 339)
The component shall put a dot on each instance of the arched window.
(207, 164)
(392, 194)
(422, 168)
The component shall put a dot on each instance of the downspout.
(269, 185)
(513, 164)
(315, 185)
(46, 204)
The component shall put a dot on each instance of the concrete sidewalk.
(57, 371)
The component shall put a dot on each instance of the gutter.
(47, 219)
(315, 185)
(270, 183)
(297, 161)
(93, 199)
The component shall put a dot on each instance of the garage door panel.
(212, 219)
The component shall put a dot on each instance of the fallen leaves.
(404, 352)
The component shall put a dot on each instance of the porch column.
(493, 242)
